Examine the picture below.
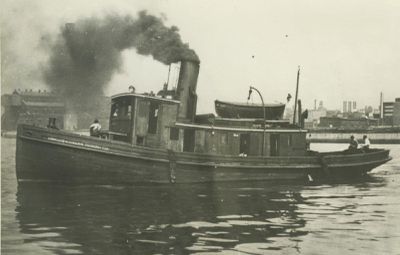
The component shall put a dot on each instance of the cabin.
(151, 121)
(242, 141)
(142, 120)
(171, 123)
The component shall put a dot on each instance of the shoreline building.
(315, 115)
(33, 107)
(391, 113)
(349, 107)
(37, 107)
(347, 123)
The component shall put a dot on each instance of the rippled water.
(357, 217)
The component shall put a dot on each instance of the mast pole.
(295, 101)
(169, 71)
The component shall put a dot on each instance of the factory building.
(37, 107)
(391, 113)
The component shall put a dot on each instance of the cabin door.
(188, 140)
(244, 144)
(274, 142)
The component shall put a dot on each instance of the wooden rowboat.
(243, 110)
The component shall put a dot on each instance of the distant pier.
(344, 137)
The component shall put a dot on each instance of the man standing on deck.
(95, 128)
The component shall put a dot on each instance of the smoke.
(22, 45)
(87, 53)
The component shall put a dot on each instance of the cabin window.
(290, 141)
(244, 144)
(114, 110)
(121, 110)
(174, 133)
(188, 140)
(274, 144)
(121, 120)
(224, 139)
(153, 118)
(142, 111)
(139, 140)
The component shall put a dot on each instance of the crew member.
(95, 128)
(367, 143)
(308, 142)
(353, 144)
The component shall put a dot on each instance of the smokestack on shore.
(186, 89)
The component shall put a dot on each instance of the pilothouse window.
(153, 117)
(121, 120)
(121, 110)
(174, 133)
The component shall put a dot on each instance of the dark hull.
(232, 110)
(50, 155)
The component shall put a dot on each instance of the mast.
(295, 100)
(169, 72)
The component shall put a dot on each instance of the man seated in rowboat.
(366, 144)
(353, 144)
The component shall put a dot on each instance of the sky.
(346, 49)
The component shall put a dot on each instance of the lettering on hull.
(92, 146)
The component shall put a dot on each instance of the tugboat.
(159, 139)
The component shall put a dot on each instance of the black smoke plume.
(88, 52)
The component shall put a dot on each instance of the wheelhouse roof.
(154, 98)
(231, 129)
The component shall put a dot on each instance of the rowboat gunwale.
(252, 105)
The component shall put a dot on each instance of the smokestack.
(299, 113)
(315, 104)
(186, 89)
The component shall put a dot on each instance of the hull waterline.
(50, 155)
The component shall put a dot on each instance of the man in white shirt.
(95, 128)
(367, 143)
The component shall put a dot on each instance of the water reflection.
(177, 219)
(334, 217)
(219, 218)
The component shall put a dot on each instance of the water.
(357, 217)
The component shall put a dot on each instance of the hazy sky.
(347, 50)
